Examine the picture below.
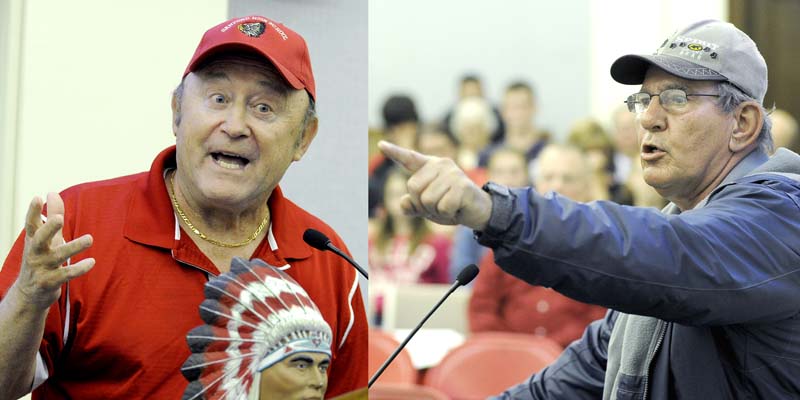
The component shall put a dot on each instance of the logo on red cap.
(253, 29)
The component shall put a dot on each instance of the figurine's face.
(301, 376)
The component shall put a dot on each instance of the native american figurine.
(263, 338)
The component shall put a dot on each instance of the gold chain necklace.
(203, 235)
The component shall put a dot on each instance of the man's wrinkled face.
(683, 151)
(238, 127)
(301, 376)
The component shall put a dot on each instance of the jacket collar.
(748, 163)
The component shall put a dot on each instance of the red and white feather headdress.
(255, 316)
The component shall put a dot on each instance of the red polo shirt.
(119, 331)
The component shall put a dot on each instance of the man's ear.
(176, 114)
(306, 137)
(749, 118)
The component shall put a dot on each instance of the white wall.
(10, 37)
(94, 90)
(564, 47)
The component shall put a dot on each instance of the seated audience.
(470, 85)
(519, 116)
(400, 122)
(403, 249)
(434, 140)
(626, 143)
(501, 302)
(472, 124)
(589, 136)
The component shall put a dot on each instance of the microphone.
(464, 277)
(319, 241)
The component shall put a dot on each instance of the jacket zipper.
(661, 333)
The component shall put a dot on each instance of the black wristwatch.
(502, 204)
(493, 188)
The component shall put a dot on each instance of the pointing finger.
(409, 159)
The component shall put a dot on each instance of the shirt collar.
(151, 220)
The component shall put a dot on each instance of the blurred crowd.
(503, 143)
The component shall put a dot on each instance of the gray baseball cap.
(707, 50)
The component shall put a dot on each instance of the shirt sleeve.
(733, 261)
(350, 369)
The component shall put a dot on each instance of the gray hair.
(731, 97)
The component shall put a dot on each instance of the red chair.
(397, 391)
(381, 346)
(488, 363)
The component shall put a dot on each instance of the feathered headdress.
(256, 315)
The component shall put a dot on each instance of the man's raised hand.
(42, 274)
(439, 190)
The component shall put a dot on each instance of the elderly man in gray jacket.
(705, 295)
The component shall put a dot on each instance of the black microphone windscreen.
(316, 239)
(467, 274)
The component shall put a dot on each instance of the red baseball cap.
(282, 46)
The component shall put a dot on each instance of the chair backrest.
(398, 391)
(404, 305)
(381, 346)
(488, 363)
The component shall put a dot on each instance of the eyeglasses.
(671, 100)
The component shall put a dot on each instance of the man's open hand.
(42, 274)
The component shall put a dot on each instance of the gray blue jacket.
(705, 303)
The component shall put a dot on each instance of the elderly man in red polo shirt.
(99, 292)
